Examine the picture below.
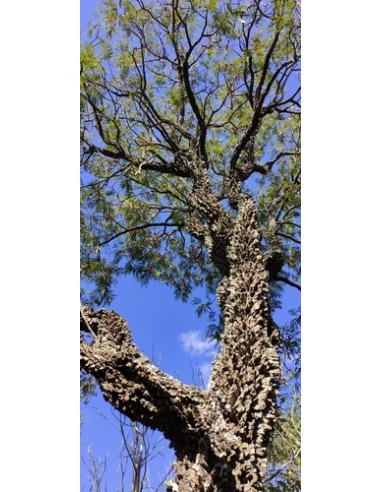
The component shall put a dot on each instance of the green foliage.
(284, 458)
(141, 111)
(87, 388)
(290, 348)
(215, 322)
(284, 454)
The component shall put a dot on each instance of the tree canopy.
(163, 83)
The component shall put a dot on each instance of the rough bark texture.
(220, 435)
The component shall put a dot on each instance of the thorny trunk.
(220, 435)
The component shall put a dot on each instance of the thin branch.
(137, 228)
(266, 167)
(266, 67)
(288, 282)
(271, 477)
(87, 323)
(167, 168)
(286, 236)
(196, 110)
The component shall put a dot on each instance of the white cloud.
(193, 343)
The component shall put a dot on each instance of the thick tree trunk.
(220, 435)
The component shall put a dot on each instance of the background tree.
(190, 156)
(284, 453)
(139, 447)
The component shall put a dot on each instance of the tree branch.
(288, 282)
(137, 228)
(196, 110)
(263, 169)
(133, 385)
(286, 236)
(167, 168)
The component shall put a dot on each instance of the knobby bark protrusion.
(220, 435)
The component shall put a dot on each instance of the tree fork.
(220, 435)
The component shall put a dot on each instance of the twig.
(87, 323)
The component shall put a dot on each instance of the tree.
(284, 453)
(190, 157)
(138, 448)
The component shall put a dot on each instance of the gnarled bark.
(220, 435)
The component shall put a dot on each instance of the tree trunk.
(220, 435)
